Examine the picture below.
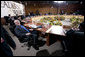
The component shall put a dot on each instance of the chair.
(11, 28)
(25, 39)
(76, 43)
(21, 39)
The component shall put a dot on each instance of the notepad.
(56, 30)
(33, 26)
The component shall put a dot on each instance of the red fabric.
(2, 40)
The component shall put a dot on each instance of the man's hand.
(31, 29)
(28, 33)
(75, 29)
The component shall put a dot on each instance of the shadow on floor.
(43, 53)
(58, 53)
(41, 43)
(46, 53)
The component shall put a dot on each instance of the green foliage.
(51, 21)
(75, 22)
(56, 18)
(62, 18)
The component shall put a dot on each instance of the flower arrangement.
(51, 21)
(75, 21)
(62, 18)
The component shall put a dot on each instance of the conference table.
(51, 35)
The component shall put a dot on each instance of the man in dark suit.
(21, 31)
(6, 41)
(16, 17)
(75, 40)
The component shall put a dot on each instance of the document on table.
(56, 30)
(33, 26)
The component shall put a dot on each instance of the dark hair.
(82, 25)
(9, 15)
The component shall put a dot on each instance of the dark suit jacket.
(8, 41)
(16, 17)
(20, 31)
(75, 42)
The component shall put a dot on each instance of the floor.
(22, 51)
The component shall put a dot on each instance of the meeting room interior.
(42, 28)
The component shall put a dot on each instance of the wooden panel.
(45, 8)
(3, 21)
(71, 8)
(41, 8)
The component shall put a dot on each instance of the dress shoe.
(28, 48)
(36, 47)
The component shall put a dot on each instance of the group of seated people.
(37, 14)
(10, 20)
(20, 30)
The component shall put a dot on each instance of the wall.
(41, 8)
(45, 8)
(10, 7)
(71, 8)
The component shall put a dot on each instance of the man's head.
(17, 22)
(19, 17)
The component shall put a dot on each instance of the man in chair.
(21, 31)
(75, 40)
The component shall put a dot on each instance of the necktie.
(25, 28)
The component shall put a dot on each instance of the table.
(51, 37)
(35, 18)
(45, 28)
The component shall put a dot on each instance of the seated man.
(21, 31)
(75, 39)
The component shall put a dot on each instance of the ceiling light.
(59, 1)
